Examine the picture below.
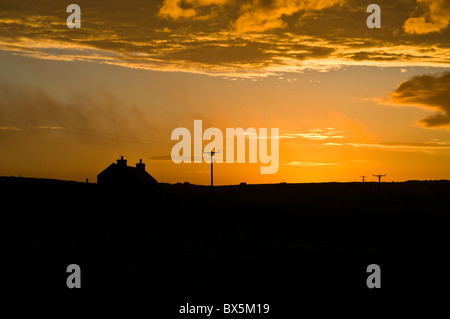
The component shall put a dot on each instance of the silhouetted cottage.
(121, 175)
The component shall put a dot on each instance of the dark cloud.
(382, 56)
(430, 91)
(219, 36)
(100, 114)
(308, 52)
(249, 52)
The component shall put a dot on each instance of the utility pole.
(379, 189)
(212, 153)
(364, 191)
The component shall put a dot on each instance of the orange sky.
(348, 100)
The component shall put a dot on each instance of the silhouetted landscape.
(119, 119)
(272, 242)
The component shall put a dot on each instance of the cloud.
(46, 127)
(317, 134)
(176, 9)
(10, 128)
(262, 15)
(398, 146)
(228, 38)
(100, 115)
(435, 19)
(353, 128)
(311, 164)
(431, 91)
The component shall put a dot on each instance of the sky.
(348, 100)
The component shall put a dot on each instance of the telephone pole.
(363, 188)
(379, 189)
(212, 153)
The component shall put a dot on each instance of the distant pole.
(363, 186)
(212, 153)
(212, 175)
(379, 189)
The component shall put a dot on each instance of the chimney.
(140, 166)
(122, 162)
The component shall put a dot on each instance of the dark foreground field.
(254, 243)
